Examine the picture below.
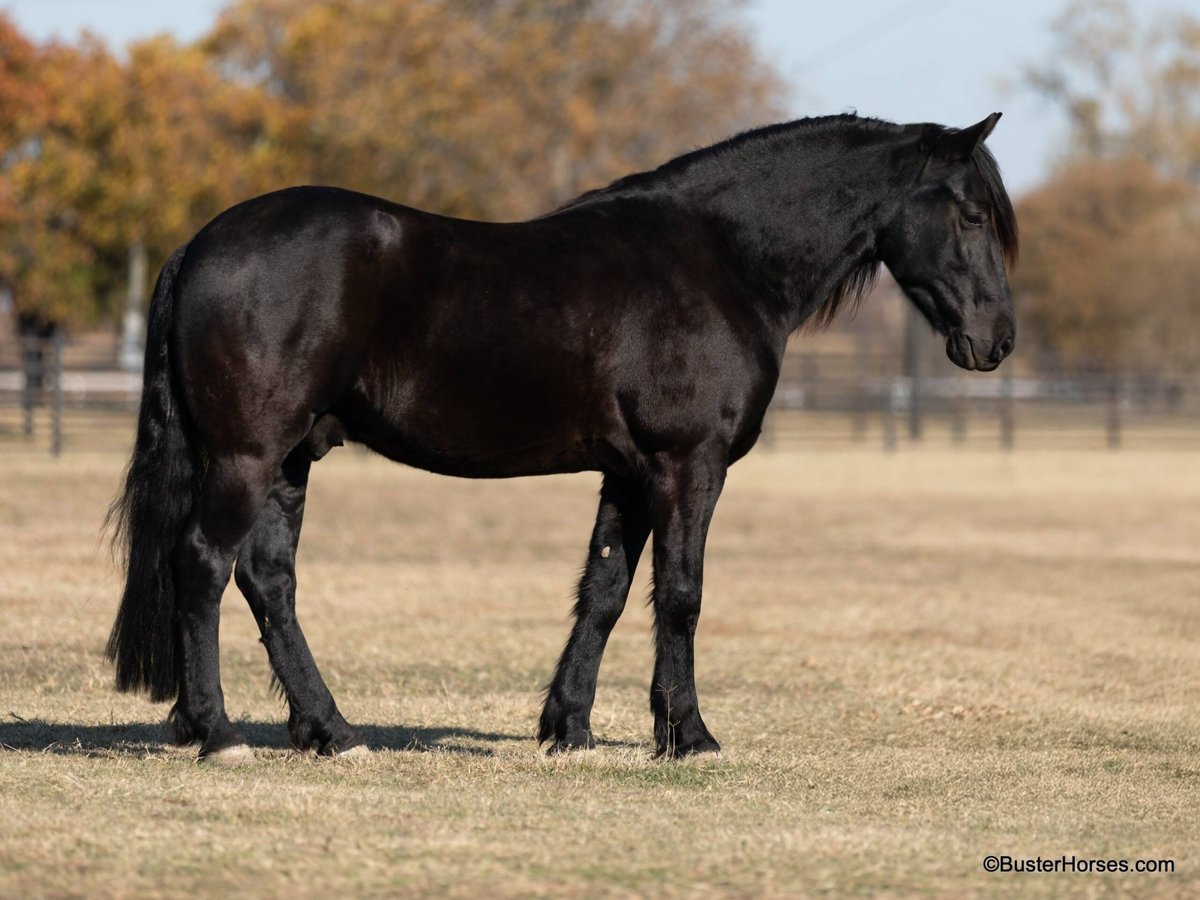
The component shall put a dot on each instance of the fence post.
(889, 416)
(858, 412)
(767, 435)
(858, 420)
(958, 410)
(133, 324)
(1113, 419)
(1007, 424)
(31, 366)
(56, 426)
(810, 379)
(914, 359)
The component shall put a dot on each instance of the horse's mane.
(858, 283)
(767, 136)
(853, 288)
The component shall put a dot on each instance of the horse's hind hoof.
(229, 757)
(357, 753)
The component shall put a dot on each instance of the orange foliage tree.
(143, 151)
(496, 109)
(493, 108)
(1109, 259)
(1109, 268)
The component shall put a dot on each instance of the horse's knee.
(606, 609)
(677, 605)
(603, 589)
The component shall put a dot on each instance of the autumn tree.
(21, 101)
(497, 109)
(1128, 90)
(46, 176)
(493, 108)
(1109, 268)
(1109, 274)
(121, 153)
(187, 143)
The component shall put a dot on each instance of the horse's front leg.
(622, 526)
(684, 495)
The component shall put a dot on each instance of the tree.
(493, 108)
(188, 143)
(45, 175)
(143, 152)
(1109, 268)
(21, 101)
(496, 109)
(1128, 90)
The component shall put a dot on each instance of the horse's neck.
(805, 225)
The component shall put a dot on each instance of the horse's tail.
(161, 485)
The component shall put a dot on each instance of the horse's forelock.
(1004, 219)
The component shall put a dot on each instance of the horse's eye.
(974, 217)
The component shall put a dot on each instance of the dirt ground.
(913, 661)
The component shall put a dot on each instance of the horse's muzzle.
(963, 351)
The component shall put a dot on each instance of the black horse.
(637, 331)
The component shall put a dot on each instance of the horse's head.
(949, 244)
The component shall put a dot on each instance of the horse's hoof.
(229, 757)
(570, 751)
(358, 752)
(702, 749)
(575, 743)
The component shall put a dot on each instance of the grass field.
(912, 661)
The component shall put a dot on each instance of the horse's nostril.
(1004, 348)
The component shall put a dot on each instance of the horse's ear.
(959, 145)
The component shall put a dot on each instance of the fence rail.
(833, 399)
(70, 397)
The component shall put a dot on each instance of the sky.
(946, 61)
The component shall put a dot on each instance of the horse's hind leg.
(234, 490)
(266, 574)
(622, 525)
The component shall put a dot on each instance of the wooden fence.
(852, 399)
(64, 396)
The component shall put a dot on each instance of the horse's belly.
(485, 459)
(485, 432)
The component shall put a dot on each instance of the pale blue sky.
(948, 61)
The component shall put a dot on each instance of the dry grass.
(912, 661)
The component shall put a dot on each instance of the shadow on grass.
(144, 739)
